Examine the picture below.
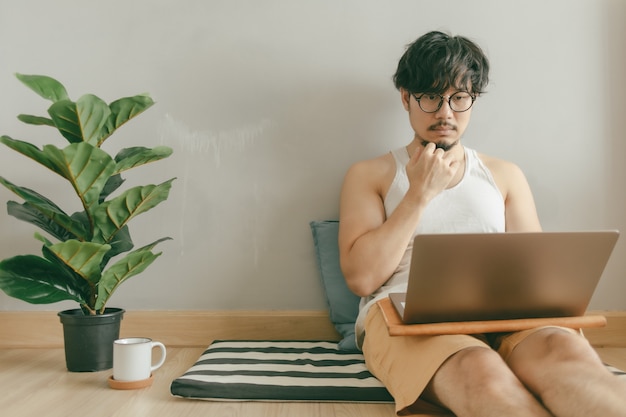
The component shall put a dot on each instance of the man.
(436, 185)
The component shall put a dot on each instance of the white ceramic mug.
(132, 358)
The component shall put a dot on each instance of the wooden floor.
(34, 383)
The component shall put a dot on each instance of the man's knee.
(553, 345)
(475, 359)
(477, 366)
(469, 371)
(549, 352)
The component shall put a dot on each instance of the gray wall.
(267, 103)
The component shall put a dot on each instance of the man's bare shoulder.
(508, 176)
(370, 176)
(500, 168)
(375, 169)
(521, 213)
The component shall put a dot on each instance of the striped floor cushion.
(279, 371)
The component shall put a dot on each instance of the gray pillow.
(343, 304)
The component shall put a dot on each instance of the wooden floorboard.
(34, 383)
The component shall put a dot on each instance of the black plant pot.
(89, 339)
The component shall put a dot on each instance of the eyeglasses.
(431, 102)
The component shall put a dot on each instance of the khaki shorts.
(406, 364)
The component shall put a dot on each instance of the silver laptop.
(491, 276)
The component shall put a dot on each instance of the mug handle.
(161, 347)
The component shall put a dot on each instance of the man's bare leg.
(477, 382)
(564, 371)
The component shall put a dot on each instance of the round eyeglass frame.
(441, 98)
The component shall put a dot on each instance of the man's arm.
(371, 245)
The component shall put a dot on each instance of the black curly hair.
(437, 61)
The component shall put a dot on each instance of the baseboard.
(198, 328)
(175, 328)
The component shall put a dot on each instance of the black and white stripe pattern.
(279, 371)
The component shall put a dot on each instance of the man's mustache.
(442, 124)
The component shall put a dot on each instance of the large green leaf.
(36, 280)
(114, 214)
(87, 167)
(43, 213)
(80, 121)
(132, 264)
(114, 182)
(132, 157)
(36, 120)
(85, 288)
(121, 243)
(83, 258)
(46, 87)
(122, 111)
(30, 151)
(59, 226)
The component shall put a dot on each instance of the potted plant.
(87, 255)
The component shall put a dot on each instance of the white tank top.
(474, 205)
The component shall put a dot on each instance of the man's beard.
(445, 146)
